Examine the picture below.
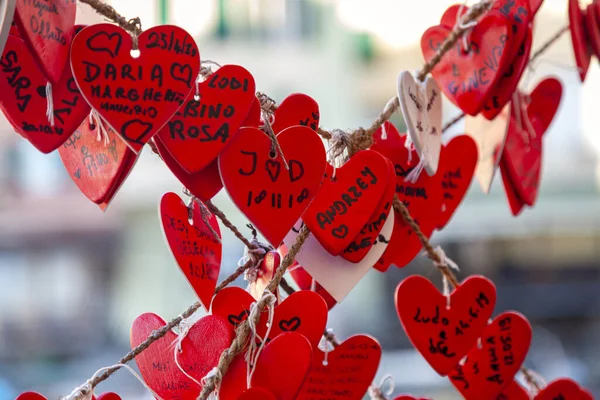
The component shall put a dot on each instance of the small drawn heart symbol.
(182, 73)
(135, 130)
(340, 232)
(107, 42)
(238, 319)
(290, 325)
(273, 169)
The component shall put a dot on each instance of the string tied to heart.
(463, 23)
(205, 214)
(267, 104)
(444, 264)
(184, 327)
(339, 143)
(95, 122)
(49, 104)
(535, 381)
(254, 255)
(383, 389)
(275, 147)
(327, 345)
(268, 299)
(215, 375)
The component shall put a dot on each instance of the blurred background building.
(74, 278)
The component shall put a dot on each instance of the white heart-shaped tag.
(7, 11)
(421, 105)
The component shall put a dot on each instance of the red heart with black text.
(296, 109)
(157, 364)
(23, 99)
(136, 96)
(346, 201)
(193, 244)
(271, 191)
(442, 334)
(256, 394)
(95, 165)
(563, 389)
(307, 282)
(202, 128)
(281, 369)
(579, 38)
(48, 28)
(303, 312)
(489, 368)
(346, 372)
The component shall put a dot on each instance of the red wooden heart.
(253, 117)
(202, 128)
(271, 196)
(592, 28)
(192, 243)
(579, 38)
(48, 28)
(94, 165)
(201, 348)
(109, 396)
(204, 184)
(514, 201)
(467, 77)
(296, 109)
(281, 369)
(23, 99)
(564, 388)
(457, 166)
(303, 312)
(130, 162)
(30, 396)
(489, 368)
(513, 391)
(345, 372)
(256, 393)
(136, 96)
(444, 335)
(264, 274)
(157, 364)
(307, 282)
(409, 397)
(346, 202)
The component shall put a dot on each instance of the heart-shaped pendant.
(444, 329)
(270, 190)
(193, 244)
(30, 396)
(563, 388)
(130, 162)
(296, 109)
(490, 368)
(580, 39)
(346, 372)
(514, 201)
(136, 95)
(202, 128)
(306, 282)
(48, 28)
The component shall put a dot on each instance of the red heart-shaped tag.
(346, 372)
(442, 334)
(303, 312)
(193, 244)
(489, 368)
(256, 393)
(48, 28)
(136, 96)
(347, 200)
(24, 99)
(109, 396)
(467, 76)
(264, 274)
(513, 391)
(307, 282)
(30, 396)
(409, 397)
(457, 166)
(203, 344)
(579, 38)
(514, 201)
(566, 389)
(202, 128)
(95, 165)
(590, 19)
(127, 168)
(296, 109)
(157, 364)
(271, 192)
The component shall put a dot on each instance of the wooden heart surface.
(566, 389)
(157, 364)
(441, 329)
(202, 128)
(256, 394)
(579, 39)
(281, 369)
(136, 96)
(490, 368)
(23, 99)
(306, 282)
(345, 202)
(48, 28)
(296, 109)
(193, 244)
(346, 372)
(302, 312)
(271, 191)
(95, 165)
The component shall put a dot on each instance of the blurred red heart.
(409, 397)
(564, 388)
(580, 39)
(514, 201)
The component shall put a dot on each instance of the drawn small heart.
(291, 325)
(273, 169)
(105, 42)
(136, 130)
(182, 73)
(340, 232)
(236, 320)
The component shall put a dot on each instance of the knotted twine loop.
(254, 255)
(213, 374)
(136, 30)
(101, 133)
(462, 23)
(184, 328)
(444, 263)
(267, 104)
(254, 316)
(378, 392)
(275, 147)
(339, 143)
(49, 104)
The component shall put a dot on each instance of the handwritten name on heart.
(489, 368)
(270, 194)
(442, 334)
(23, 99)
(566, 389)
(203, 127)
(136, 96)
(348, 371)
(193, 245)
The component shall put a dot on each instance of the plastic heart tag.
(441, 329)
(202, 128)
(193, 244)
(135, 95)
(566, 389)
(490, 368)
(273, 192)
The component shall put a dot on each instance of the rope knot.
(380, 392)
(266, 103)
(254, 255)
(360, 139)
(444, 261)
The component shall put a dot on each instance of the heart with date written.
(444, 329)
(346, 372)
(273, 190)
(202, 128)
(193, 243)
(303, 312)
(280, 369)
(256, 393)
(48, 29)
(566, 389)
(490, 367)
(23, 99)
(136, 95)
